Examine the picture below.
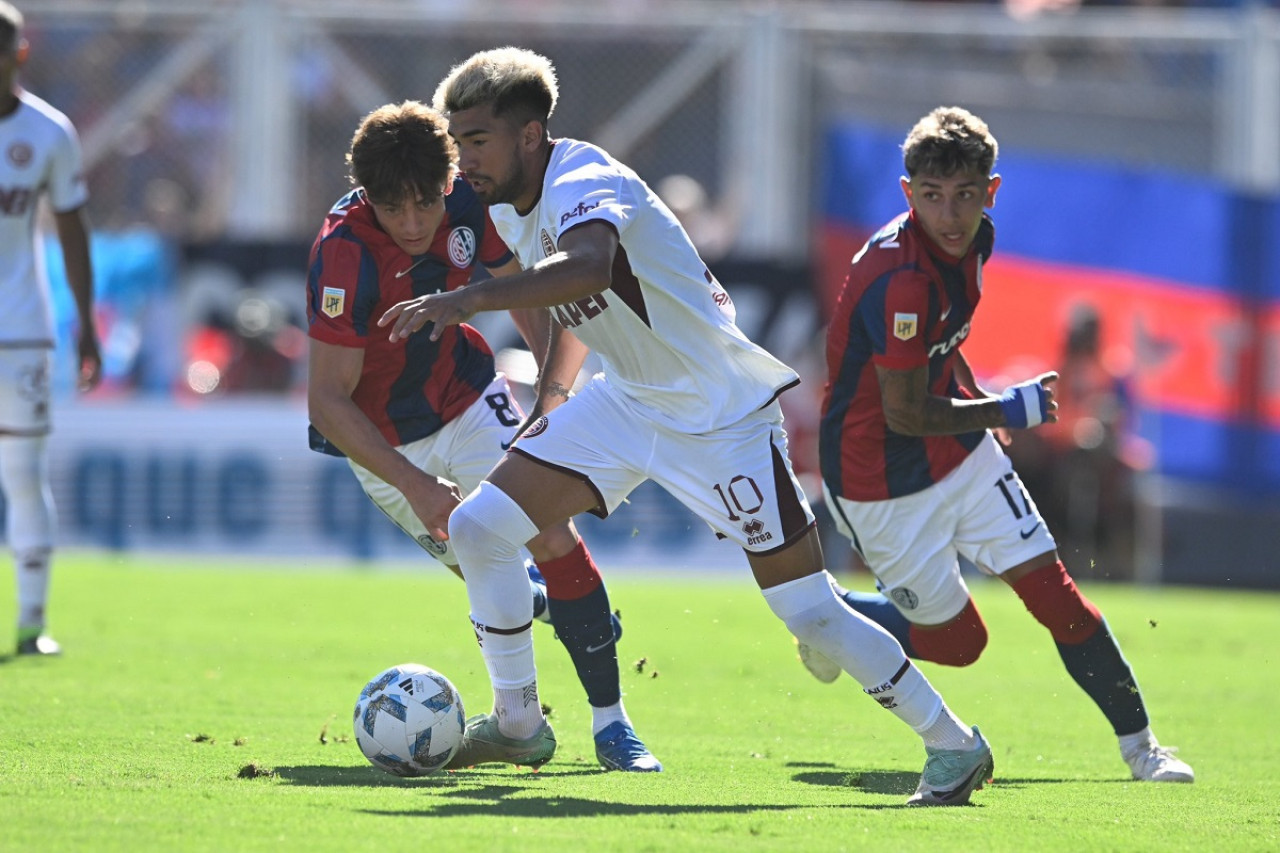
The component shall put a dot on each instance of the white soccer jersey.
(39, 153)
(665, 329)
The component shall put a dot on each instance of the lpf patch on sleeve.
(332, 301)
(905, 326)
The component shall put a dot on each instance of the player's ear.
(24, 50)
(992, 186)
(906, 187)
(532, 133)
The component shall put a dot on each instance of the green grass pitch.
(207, 706)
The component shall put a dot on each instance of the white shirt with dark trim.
(39, 155)
(665, 330)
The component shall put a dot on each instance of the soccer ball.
(409, 720)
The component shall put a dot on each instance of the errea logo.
(756, 533)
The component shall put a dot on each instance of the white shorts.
(24, 391)
(737, 479)
(464, 451)
(912, 543)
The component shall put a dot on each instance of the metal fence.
(221, 125)
(230, 119)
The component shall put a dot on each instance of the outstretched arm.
(333, 373)
(910, 409)
(582, 267)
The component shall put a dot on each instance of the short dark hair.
(402, 151)
(10, 27)
(949, 141)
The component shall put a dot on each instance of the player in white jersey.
(684, 399)
(39, 155)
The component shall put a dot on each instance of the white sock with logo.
(863, 649)
(487, 531)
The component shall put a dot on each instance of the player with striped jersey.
(39, 156)
(911, 469)
(421, 424)
(684, 399)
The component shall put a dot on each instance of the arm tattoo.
(947, 416)
(557, 389)
(911, 410)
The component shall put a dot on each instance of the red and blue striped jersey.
(411, 388)
(905, 304)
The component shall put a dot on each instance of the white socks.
(487, 531)
(870, 654)
(1137, 743)
(29, 524)
(601, 718)
(31, 572)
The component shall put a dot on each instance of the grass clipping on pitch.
(208, 707)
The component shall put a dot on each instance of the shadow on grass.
(872, 781)
(469, 794)
(463, 797)
(491, 800)
(827, 775)
(324, 776)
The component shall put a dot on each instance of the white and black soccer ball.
(409, 720)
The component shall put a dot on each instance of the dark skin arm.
(583, 266)
(73, 234)
(558, 354)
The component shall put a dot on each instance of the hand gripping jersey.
(39, 153)
(904, 304)
(411, 388)
(665, 329)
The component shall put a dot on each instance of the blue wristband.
(1024, 405)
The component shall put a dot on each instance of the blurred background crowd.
(1136, 249)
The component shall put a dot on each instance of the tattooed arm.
(910, 409)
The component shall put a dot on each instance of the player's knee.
(22, 468)
(1051, 596)
(554, 542)
(798, 603)
(488, 525)
(958, 643)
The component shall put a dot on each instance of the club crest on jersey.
(433, 545)
(548, 245)
(538, 428)
(19, 154)
(905, 326)
(462, 246)
(905, 598)
(333, 301)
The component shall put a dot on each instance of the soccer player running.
(685, 399)
(910, 467)
(422, 423)
(39, 155)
